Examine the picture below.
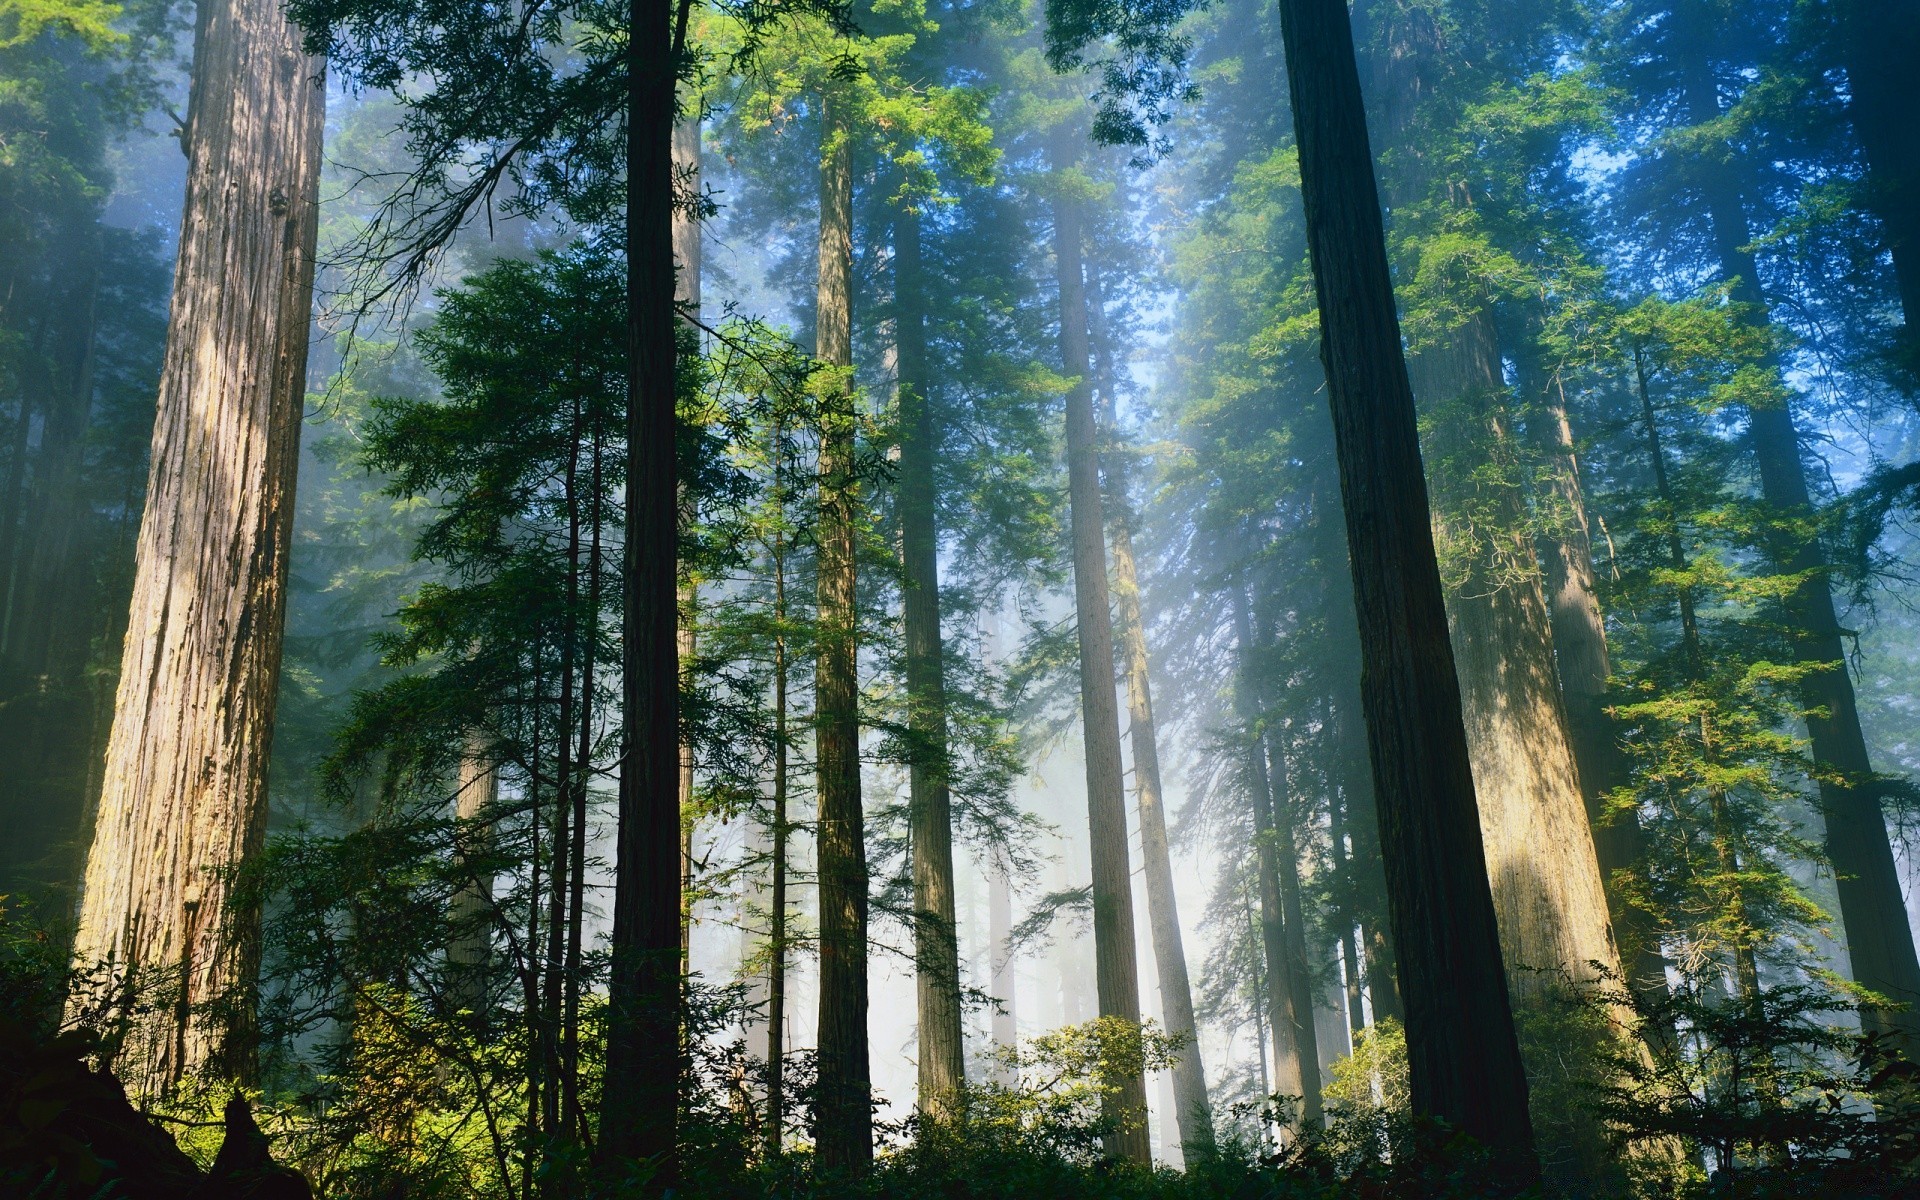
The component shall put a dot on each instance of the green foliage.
(1375, 1074)
(1769, 1095)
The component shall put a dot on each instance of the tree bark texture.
(640, 1106)
(1192, 1109)
(1872, 907)
(1463, 1058)
(936, 950)
(1533, 816)
(1116, 973)
(1583, 664)
(183, 800)
(845, 1106)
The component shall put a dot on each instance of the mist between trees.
(958, 598)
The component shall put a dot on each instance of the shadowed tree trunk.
(1463, 1058)
(778, 831)
(1289, 992)
(845, 1105)
(1116, 973)
(640, 1106)
(936, 951)
(184, 789)
(1872, 907)
(1879, 45)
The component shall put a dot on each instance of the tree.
(942, 1062)
(1877, 42)
(1463, 1057)
(1117, 974)
(183, 801)
(1289, 993)
(1696, 62)
(641, 1098)
(845, 1106)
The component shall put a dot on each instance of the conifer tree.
(183, 800)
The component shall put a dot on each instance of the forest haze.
(1158, 599)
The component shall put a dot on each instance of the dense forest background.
(891, 681)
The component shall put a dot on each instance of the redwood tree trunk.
(1192, 1109)
(184, 791)
(936, 951)
(845, 1104)
(1583, 664)
(470, 913)
(1116, 973)
(640, 1106)
(1463, 1058)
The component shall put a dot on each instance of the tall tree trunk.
(1116, 973)
(845, 1105)
(1879, 937)
(1193, 1112)
(640, 1106)
(777, 887)
(1293, 914)
(1879, 44)
(184, 791)
(935, 942)
(1296, 1053)
(1463, 1059)
(470, 913)
(1583, 665)
(1006, 1015)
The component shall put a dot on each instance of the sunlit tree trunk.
(470, 913)
(184, 794)
(1193, 1112)
(1116, 973)
(640, 1103)
(942, 1060)
(1583, 665)
(1463, 1058)
(844, 1108)
(1879, 938)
